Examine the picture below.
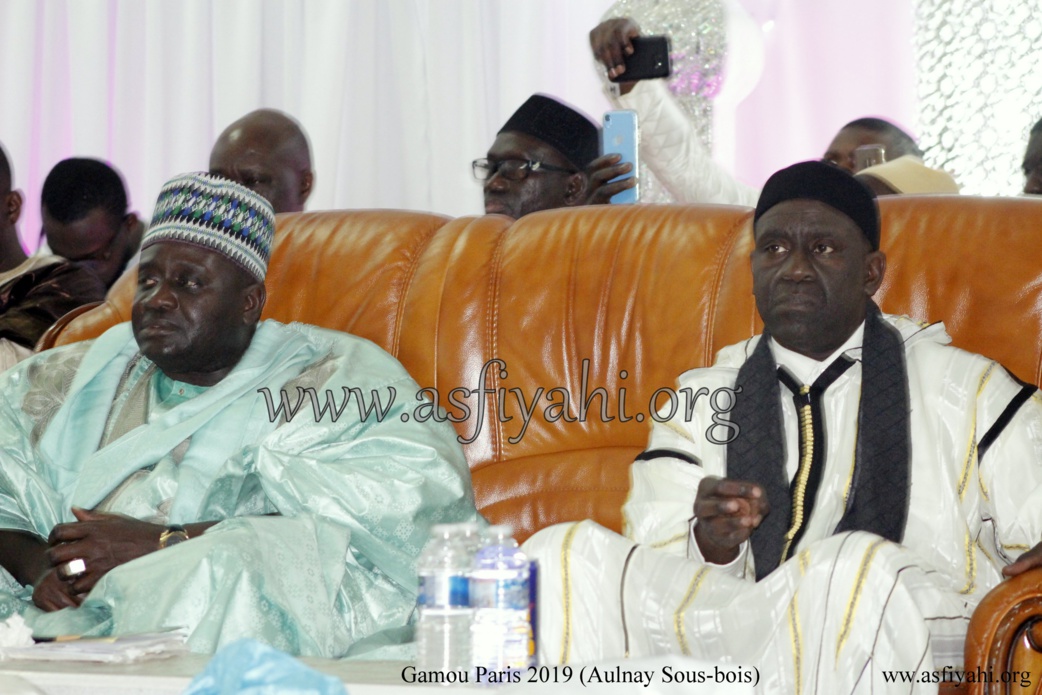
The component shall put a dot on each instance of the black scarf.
(878, 498)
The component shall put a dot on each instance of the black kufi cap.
(828, 184)
(560, 126)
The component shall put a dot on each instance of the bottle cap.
(501, 531)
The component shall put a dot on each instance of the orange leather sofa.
(620, 299)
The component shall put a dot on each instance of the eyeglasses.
(511, 169)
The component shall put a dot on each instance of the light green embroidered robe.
(355, 497)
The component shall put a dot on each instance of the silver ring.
(72, 568)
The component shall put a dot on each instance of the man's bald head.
(267, 152)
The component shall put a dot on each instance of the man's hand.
(102, 541)
(1029, 560)
(610, 42)
(51, 592)
(728, 511)
(602, 170)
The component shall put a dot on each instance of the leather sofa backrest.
(647, 290)
(974, 263)
(622, 296)
(344, 271)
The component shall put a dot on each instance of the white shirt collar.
(807, 369)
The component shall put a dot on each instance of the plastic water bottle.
(443, 633)
(472, 536)
(500, 595)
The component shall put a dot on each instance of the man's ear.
(254, 297)
(13, 206)
(307, 182)
(134, 229)
(875, 269)
(576, 189)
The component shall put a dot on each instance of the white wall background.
(827, 62)
(397, 96)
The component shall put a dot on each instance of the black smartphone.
(650, 59)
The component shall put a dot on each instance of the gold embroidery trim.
(671, 425)
(971, 448)
(1016, 546)
(804, 561)
(803, 474)
(566, 589)
(987, 554)
(1037, 396)
(855, 594)
(797, 643)
(971, 566)
(678, 616)
(853, 461)
(671, 541)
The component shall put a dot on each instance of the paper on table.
(110, 650)
(14, 632)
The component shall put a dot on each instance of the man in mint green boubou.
(145, 485)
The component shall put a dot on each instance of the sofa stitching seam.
(492, 336)
(723, 255)
(399, 314)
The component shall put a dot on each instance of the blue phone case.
(621, 135)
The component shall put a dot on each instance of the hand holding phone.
(608, 176)
(621, 136)
(649, 60)
(610, 42)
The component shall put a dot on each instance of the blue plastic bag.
(248, 667)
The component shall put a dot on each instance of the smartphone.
(649, 60)
(621, 135)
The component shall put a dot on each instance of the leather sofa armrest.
(1005, 635)
(47, 340)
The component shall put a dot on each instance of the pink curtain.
(826, 62)
(397, 95)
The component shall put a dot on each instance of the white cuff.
(735, 567)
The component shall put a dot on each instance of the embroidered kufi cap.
(215, 213)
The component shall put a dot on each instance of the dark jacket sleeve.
(33, 301)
